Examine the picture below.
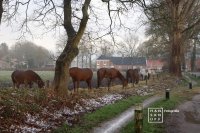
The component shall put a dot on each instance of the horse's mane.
(37, 76)
(121, 76)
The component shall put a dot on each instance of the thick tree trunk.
(63, 62)
(175, 63)
(61, 77)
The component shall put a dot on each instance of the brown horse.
(81, 74)
(110, 73)
(27, 77)
(133, 75)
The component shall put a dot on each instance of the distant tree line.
(25, 54)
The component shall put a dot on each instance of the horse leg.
(89, 84)
(74, 83)
(78, 82)
(146, 77)
(99, 82)
(142, 77)
(133, 81)
(109, 82)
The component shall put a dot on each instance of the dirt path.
(187, 120)
(113, 125)
(189, 79)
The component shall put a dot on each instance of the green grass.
(175, 100)
(5, 76)
(91, 120)
(196, 79)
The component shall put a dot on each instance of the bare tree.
(174, 15)
(29, 53)
(106, 48)
(128, 47)
(1, 9)
(73, 16)
(195, 43)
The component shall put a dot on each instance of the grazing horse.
(144, 74)
(80, 74)
(133, 75)
(26, 77)
(110, 73)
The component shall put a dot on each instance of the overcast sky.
(10, 35)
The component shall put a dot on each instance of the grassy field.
(5, 76)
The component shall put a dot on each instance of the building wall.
(155, 64)
(103, 63)
(109, 64)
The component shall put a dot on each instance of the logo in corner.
(155, 115)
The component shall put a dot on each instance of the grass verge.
(90, 120)
(174, 101)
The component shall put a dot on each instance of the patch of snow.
(36, 123)
(25, 129)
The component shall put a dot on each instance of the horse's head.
(40, 83)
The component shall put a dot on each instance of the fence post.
(190, 85)
(167, 94)
(138, 118)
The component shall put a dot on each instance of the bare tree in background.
(1, 9)
(128, 47)
(195, 43)
(32, 55)
(106, 48)
(175, 15)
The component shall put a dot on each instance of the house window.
(104, 62)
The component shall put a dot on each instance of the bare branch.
(1, 9)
